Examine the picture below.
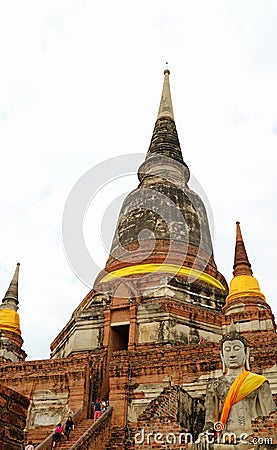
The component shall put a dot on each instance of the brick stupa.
(147, 335)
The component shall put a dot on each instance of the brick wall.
(119, 439)
(72, 380)
(154, 364)
(72, 375)
(160, 416)
(157, 426)
(186, 363)
(13, 413)
(10, 346)
(164, 407)
(266, 427)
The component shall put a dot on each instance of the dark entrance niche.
(120, 337)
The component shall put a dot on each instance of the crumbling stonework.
(55, 389)
(265, 429)
(13, 414)
(170, 421)
(10, 347)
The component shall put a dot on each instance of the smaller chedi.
(237, 397)
(10, 334)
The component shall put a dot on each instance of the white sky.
(80, 82)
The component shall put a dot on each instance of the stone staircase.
(87, 434)
(75, 435)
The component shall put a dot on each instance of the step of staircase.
(75, 434)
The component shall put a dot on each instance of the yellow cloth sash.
(165, 268)
(9, 320)
(244, 384)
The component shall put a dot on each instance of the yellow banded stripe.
(164, 268)
(9, 320)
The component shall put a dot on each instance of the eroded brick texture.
(168, 421)
(68, 383)
(265, 428)
(13, 414)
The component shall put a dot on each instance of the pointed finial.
(166, 109)
(166, 69)
(241, 262)
(238, 232)
(12, 292)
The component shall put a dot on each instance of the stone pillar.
(119, 391)
(133, 327)
(107, 327)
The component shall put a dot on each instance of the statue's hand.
(209, 427)
(206, 437)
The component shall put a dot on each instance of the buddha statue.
(237, 397)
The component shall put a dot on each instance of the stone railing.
(97, 435)
(47, 442)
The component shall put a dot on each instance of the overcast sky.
(80, 82)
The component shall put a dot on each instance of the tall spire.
(9, 318)
(12, 292)
(166, 109)
(165, 142)
(241, 262)
(164, 204)
(243, 284)
(10, 333)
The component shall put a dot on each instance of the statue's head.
(234, 351)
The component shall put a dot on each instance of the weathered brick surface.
(157, 426)
(79, 377)
(265, 429)
(153, 364)
(120, 438)
(10, 347)
(159, 421)
(163, 408)
(13, 414)
(158, 254)
(60, 375)
(148, 364)
(184, 362)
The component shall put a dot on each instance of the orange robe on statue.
(245, 383)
